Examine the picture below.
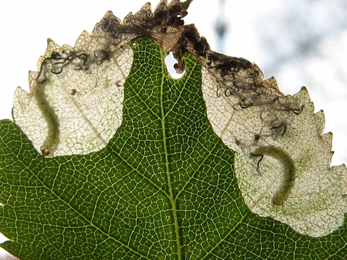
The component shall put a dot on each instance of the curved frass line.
(289, 171)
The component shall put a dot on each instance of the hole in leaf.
(170, 61)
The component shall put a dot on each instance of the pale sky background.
(26, 25)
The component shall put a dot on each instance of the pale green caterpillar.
(289, 171)
(52, 139)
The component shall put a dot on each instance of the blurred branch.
(303, 30)
(221, 27)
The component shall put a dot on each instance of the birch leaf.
(108, 157)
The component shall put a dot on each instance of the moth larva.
(289, 171)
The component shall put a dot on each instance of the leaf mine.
(75, 99)
(288, 171)
(75, 107)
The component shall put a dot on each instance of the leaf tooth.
(19, 92)
(83, 39)
(271, 83)
(32, 80)
(303, 94)
(327, 144)
(128, 18)
(140, 17)
(51, 46)
(146, 9)
(67, 47)
(174, 2)
(327, 138)
(21, 100)
(305, 99)
(183, 5)
(109, 14)
(339, 170)
(260, 74)
(162, 6)
(320, 119)
(40, 61)
(100, 25)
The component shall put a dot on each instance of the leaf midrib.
(163, 127)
